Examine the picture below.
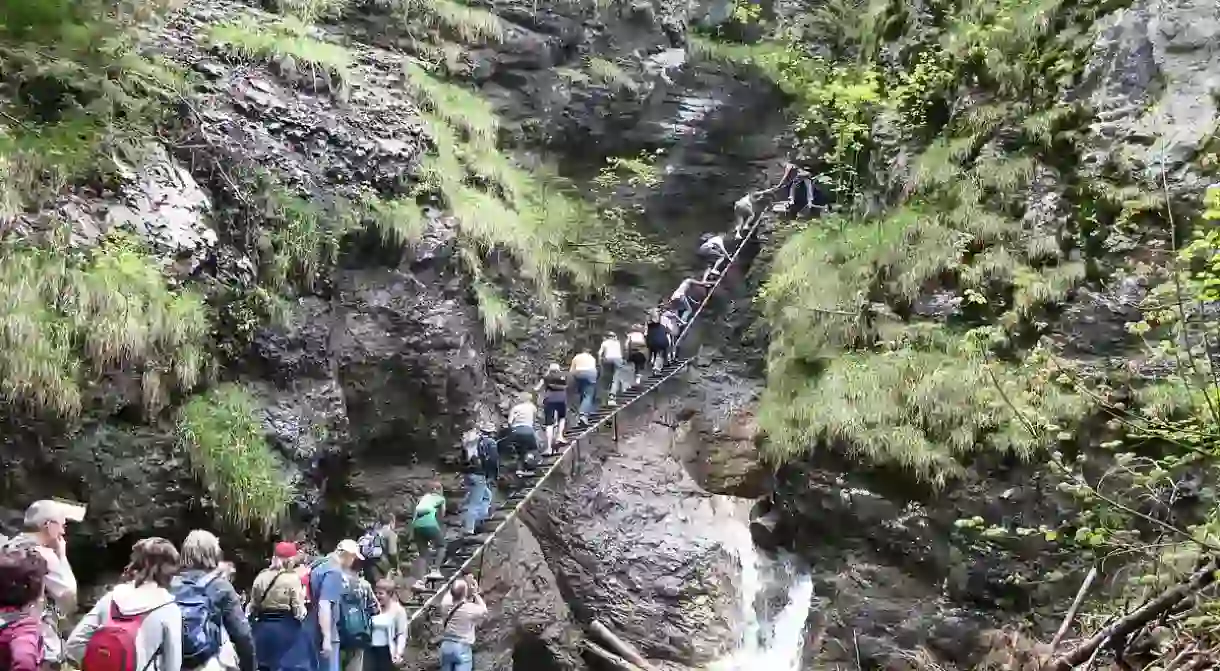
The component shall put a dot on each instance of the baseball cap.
(350, 547)
(46, 510)
(285, 550)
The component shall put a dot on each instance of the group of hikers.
(177, 608)
(618, 363)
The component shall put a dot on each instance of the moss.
(221, 432)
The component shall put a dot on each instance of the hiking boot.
(561, 441)
(434, 575)
(638, 379)
(612, 403)
(419, 586)
(524, 474)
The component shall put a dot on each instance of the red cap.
(285, 550)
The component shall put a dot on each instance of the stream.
(774, 598)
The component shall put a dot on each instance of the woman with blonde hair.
(389, 640)
(143, 598)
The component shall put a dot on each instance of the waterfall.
(769, 639)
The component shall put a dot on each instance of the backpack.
(370, 544)
(355, 623)
(112, 647)
(201, 637)
(489, 453)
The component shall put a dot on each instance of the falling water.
(769, 639)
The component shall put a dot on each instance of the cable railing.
(462, 560)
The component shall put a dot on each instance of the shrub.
(221, 432)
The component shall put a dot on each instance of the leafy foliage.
(66, 320)
(222, 434)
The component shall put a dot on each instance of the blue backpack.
(201, 622)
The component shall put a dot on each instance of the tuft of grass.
(1038, 288)
(63, 318)
(221, 432)
(494, 311)
(457, 107)
(309, 11)
(288, 44)
(303, 239)
(397, 222)
(611, 74)
(923, 409)
(470, 25)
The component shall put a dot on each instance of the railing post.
(614, 421)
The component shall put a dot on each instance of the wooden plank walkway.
(464, 553)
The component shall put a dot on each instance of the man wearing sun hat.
(46, 523)
(326, 584)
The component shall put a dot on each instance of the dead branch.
(1126, 625)
(1071, 614)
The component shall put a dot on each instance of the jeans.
(477, 502)
(586, 385)
(613, 369)
(456, 656)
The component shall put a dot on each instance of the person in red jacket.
(21, 574)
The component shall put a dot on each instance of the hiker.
(681, 302)
(554, 386)
(658, 340)
(211, 610)
(712, 249)
(521, 433)
(21, 575)
(744, 210)
(798, 186)
(379, 547)
(611, 356)
(482, 469)
(357, 608)
(46, 523)
(136, 626)
(637, 351)
(584, 375)
(276, 607)
(321, 627)
(464, 609)
(429, 536)
(389, 640)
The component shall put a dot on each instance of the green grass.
(221, 432)
(65, 320)
(456, 106)
(309, 11)
(924, 410)
(611, 74)
(494, 311)
(303, 238)
(286, 43)
(396, 222)
(471, 25)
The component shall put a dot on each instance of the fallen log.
(620, 646)
(609, 657)
(1133, 621)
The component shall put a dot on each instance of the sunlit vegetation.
(288, 44)
(66, 320)
(612, 75)
(470, 25)
(221, 432)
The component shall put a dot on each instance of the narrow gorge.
(264, 263)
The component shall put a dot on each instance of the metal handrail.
(571, 448)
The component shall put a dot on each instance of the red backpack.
(113, 646)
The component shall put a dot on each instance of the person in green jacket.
(428, 535)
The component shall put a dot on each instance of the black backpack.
(489, 454)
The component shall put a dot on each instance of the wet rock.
(1153, 77)
(724, 454)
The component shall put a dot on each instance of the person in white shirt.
(637, 350)
(611, 355)
(680, 302)
(521, 432)
(743, 212)
(389, 636)
(46, 523)
(584, 374)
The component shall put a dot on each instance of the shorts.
(524, 439)
(638, 358)
(553, 410)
